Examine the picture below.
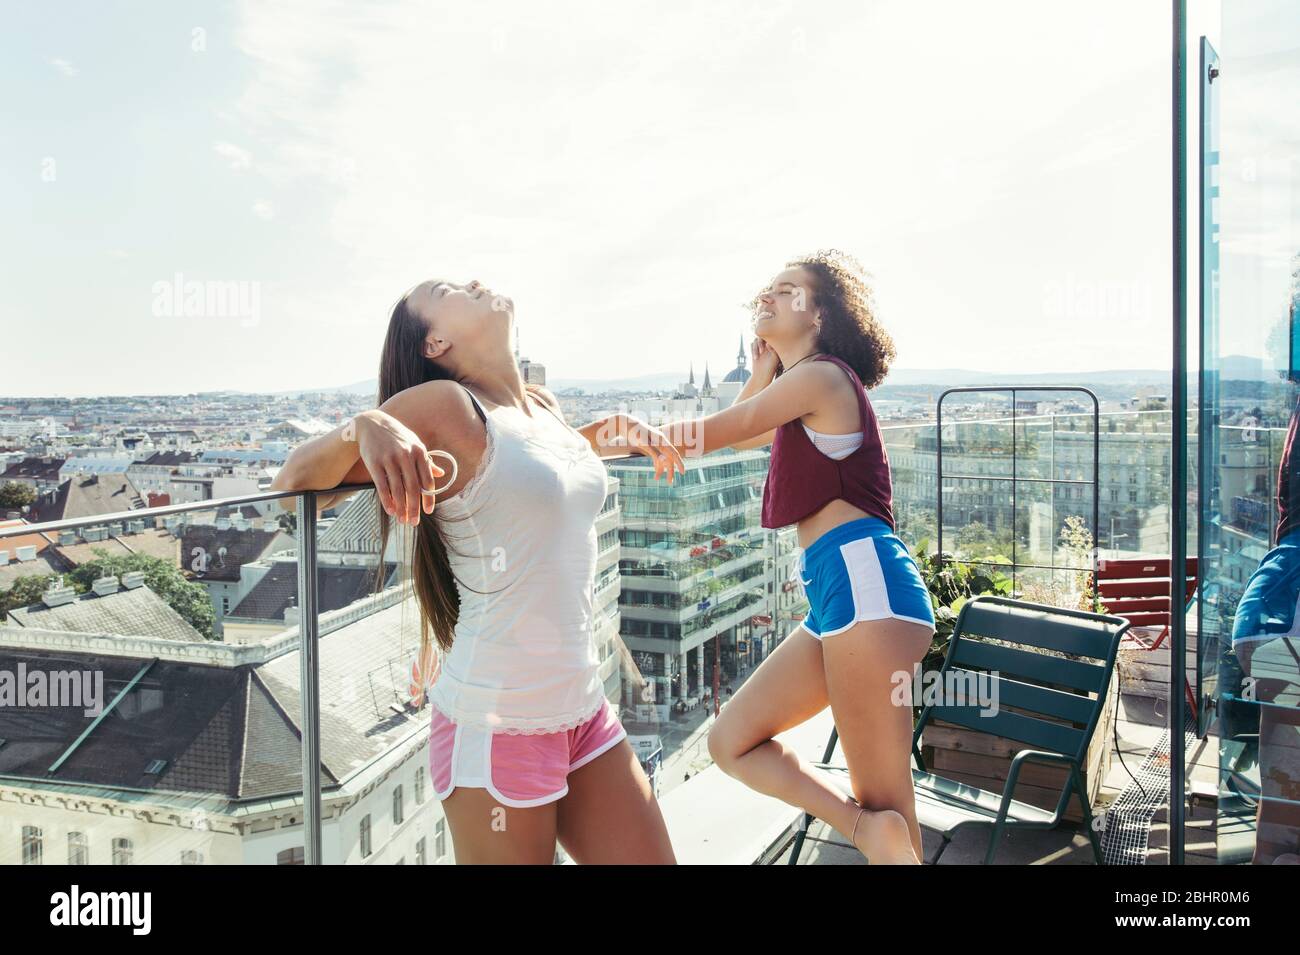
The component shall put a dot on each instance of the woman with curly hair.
(818, 348)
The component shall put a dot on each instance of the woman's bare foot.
(883, 837)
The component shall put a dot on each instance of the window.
(365, 835)
(419, 785)
(123, 851)
(33, 847)
(440, 838)
(78, 849)
(397, 806)
(294, 856)
(420, 858)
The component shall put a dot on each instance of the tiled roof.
(184, 432)
(278, 590)
(39, 541)
(356, 529)
(154, 542)
(33, 469)
(247, 511)
(47, 562)
(231, 732)
(165, 459)
(228, 549)
(135, 612)
(87, 496)
(364, 669)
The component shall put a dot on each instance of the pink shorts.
(517, 769)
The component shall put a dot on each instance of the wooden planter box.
(984, 761)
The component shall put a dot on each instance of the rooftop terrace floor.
(716, 819)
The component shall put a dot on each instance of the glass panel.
(160, 664)
(1251, 551)
(911, 451)
(701, 595)
(1204, 628)
(1021, 491)
(374, 715)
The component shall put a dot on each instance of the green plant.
(24, 592)
(1076, 591)
(16, 496)
(187, 598)
(951, 584)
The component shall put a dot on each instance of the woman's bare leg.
(484, 832)
(788, 688)
(864, 669)
(610, 815)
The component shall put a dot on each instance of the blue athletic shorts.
(1267, 608)
(861, 570)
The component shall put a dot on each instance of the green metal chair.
(1060, 702)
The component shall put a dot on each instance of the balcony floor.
(715, 819)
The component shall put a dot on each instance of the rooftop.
(136, 611)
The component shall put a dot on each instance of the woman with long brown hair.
(525, 749)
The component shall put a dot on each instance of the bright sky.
(629, 173)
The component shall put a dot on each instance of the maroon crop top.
(801, 480)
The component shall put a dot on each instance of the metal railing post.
(309, 678)
(1178, 447)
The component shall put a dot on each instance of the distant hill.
(949, 377)
(1113, 383)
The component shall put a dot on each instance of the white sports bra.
(837, 446)
(521, 541)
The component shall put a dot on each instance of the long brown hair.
(402, 365)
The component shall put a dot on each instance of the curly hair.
(850, 330)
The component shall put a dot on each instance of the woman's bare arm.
(756, 383)
(792, 395)
(607, 436)
(386, 446)
(321, 462)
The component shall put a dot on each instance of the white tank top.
(521, 541)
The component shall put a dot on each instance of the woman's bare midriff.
(837, 512)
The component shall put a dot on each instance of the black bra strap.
(477, 407)
(538, 398)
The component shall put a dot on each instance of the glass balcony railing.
(230, 681)
(1050, 524)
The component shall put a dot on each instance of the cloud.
(64, 67)
(650, 169)
(236, 156)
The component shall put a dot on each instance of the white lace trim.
(835, 446)
(520, 725)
